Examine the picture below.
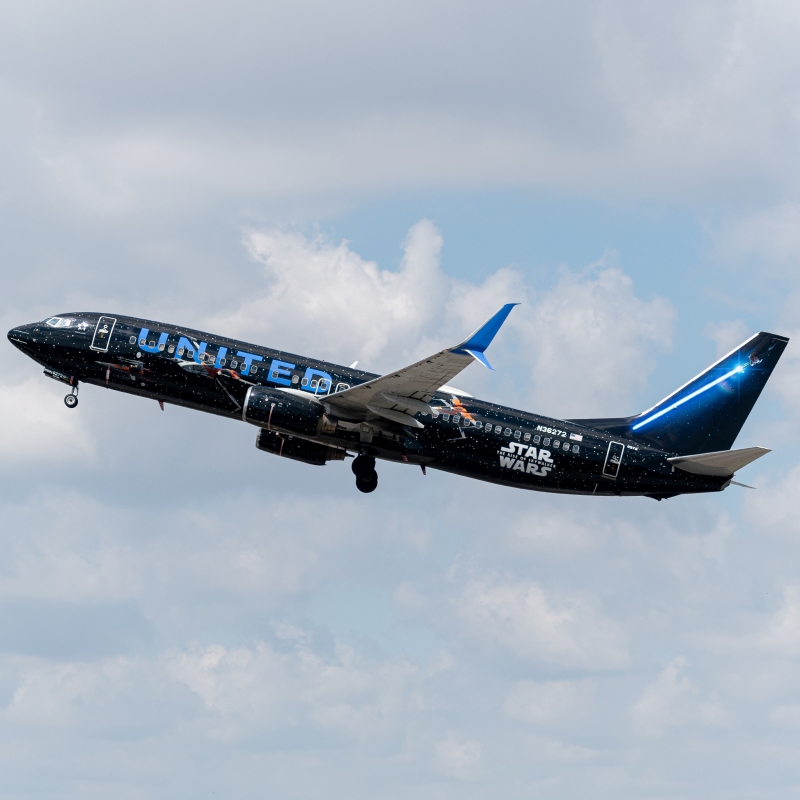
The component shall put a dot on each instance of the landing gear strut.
(366, 477)
(71, 400)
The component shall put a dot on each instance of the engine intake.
(297, 449)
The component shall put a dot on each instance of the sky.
(182, 615)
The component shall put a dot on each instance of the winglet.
(482, 338)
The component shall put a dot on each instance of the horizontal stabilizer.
(723, 463)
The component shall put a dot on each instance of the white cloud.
(726, 335)
(786, 715)
(457, 757)
(773, 508)
(253, 689)
(781, 635)
(687, 104)
(569, 632)
(772, 235)
(35, 425)
(338, 306)
(590, 330)
(672, 700)
(583, 346)
(552, 703)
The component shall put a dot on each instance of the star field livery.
(315, 412)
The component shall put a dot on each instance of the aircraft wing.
(398, 395)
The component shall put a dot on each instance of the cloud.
(337, 305)
(695, 105)
(551, 703)
(458, 758)
(251, 690)
(35, 426)
(726, 335)
(522, 618)
(672, 700)
(323, 299)
(772, 235)
(591, 329)
(774, 508)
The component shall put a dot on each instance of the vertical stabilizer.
(706, 414)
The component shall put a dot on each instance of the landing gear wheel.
(363, 466)
(367, 485)
(71, 400)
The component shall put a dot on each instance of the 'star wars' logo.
(526, 459)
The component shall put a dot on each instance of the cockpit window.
(60, 322)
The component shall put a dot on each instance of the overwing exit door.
(613, 460)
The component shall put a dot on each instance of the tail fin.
(706, 414)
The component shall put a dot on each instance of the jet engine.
(282, 411)
(297, 449)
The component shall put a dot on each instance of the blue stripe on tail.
(706, 414)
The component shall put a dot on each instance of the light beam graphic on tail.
(735, 371)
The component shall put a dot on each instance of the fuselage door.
(613, 460)
(102, 334)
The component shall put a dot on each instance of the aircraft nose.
(21, 336)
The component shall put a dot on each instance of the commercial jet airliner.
(315, 412)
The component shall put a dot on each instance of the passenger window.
(222, 362)
(446, 417)
(478, 424)
(546, 442)
(507, 432)
(141, 342)
(295, 378)
(457, 419)
(498, 428)
(340, 387)
(575, 449)
(527, 437)
(556, 443)
(151, 343)
(274, 373)
(161, 346)
(253, 369)
(566, 445)
(314, 384)
(133, 340)
(171, 348)
(304, 382)
(537, 439)
(180, 352)
(517, 434)
(190, 353)
(234, 363)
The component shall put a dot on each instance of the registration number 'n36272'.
(552, 431)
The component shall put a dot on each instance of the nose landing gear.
(366, 477)
(71, 400)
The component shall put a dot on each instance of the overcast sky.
(184, 616)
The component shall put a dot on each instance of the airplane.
(314, 412)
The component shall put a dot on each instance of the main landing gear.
(366, 478)
(71, 400)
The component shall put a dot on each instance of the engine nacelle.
(282, 411)
(297, 449)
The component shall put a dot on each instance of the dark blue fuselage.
(464, 435)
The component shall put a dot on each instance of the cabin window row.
(519, 435)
